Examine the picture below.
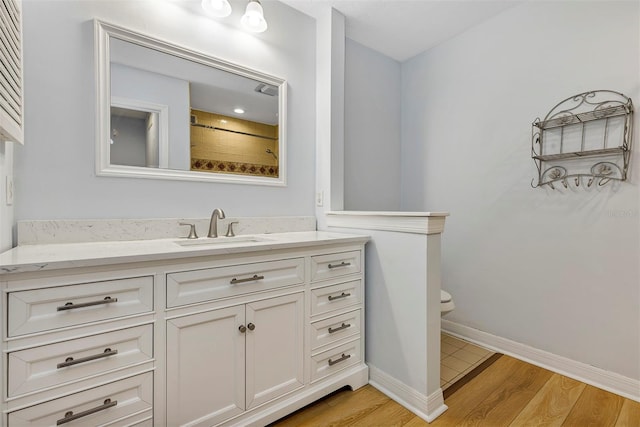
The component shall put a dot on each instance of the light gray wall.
(54, 171)
(130, 145)
(371, 130)
(555, 270)
(7, 211)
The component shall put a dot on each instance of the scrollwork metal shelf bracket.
(583, 140)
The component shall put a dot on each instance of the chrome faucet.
(213, 225)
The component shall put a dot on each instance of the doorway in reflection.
(135, 138)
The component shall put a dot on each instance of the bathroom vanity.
(228, 331)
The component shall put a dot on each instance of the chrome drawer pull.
(70, 361)
(342, 359)
(342, 295)
(71, 306)
(342, 264)
(70, 416)
(255, 277)
(339, 328)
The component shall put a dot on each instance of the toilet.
(446, 303)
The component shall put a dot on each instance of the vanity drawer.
(50, 308)
(131, 397)
(47, 366)
(330, 361)
(336, 328)
(335, 265)
(336, 297)
(190, 287)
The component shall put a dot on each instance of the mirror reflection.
(226, 144)
(177, 113)
(135, 138)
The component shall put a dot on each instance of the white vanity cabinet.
(202, 338)
(336, 321)
(225, 361)
(206, 367)
(124, 402)
(38, 310)
(78, 348)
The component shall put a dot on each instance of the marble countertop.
(29, 258)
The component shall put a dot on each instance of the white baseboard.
(426, 407)
(609, 381)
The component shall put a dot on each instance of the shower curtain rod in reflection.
(233, 131)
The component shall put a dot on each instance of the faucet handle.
(230, 232)
(192, 230)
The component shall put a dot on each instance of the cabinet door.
(205, 367)
(274, 347)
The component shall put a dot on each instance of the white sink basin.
(221, 241)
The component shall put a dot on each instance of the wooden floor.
(508, 393)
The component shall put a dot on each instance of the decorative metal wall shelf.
(587, 136)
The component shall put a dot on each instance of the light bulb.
(217, 8)
(253, 19)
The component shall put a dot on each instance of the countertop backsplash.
(104, 230)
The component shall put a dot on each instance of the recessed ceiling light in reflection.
(238, 111)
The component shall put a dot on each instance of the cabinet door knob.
(251, 326)
(242, 329)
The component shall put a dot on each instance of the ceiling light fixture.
(253, 18)
(217, 8)
(238, 111)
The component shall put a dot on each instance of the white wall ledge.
(403, 222)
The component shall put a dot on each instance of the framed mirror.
(168, 112)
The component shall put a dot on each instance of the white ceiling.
(402, 29)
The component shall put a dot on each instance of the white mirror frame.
(102, 33)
